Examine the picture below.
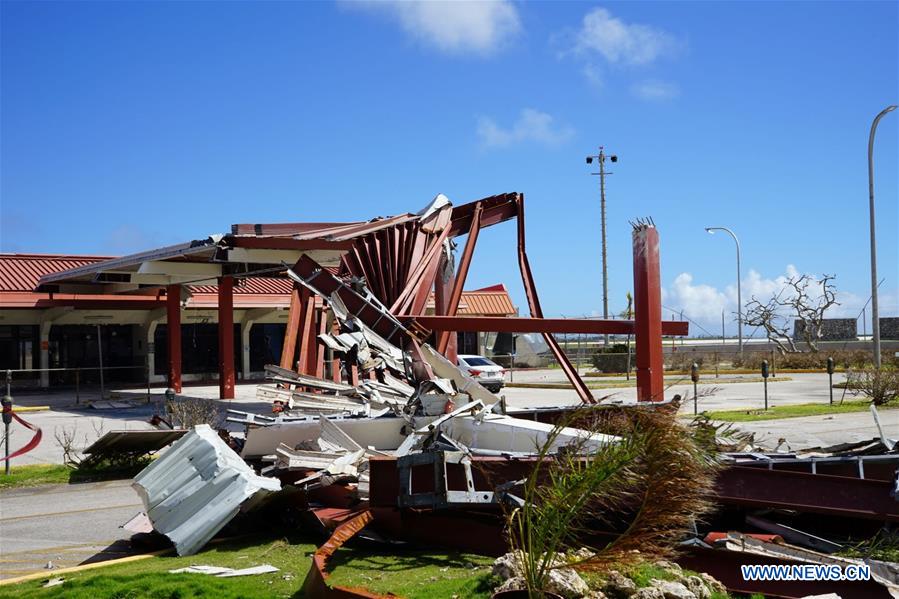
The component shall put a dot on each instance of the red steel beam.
(173, 331)
(294, 317)
(288, 243)
(804, 492)
(453, 306)
(495, 209)
(446, 340)
(307, 335)
(648, 314)
(502, 324)
(320, 351)
(226, 337)
(534, 304)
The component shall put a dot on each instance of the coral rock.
(673, 590)
(619, 586)
(697, 587)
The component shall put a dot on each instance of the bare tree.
(803, 298)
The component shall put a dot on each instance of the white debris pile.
(196, 487)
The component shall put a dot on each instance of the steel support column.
(534, 304)
(648, 314)
(443, 286)
(226, 337)
(294, 317)
(173, 332)
(452, 306)
(306, 359)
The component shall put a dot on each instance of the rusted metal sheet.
(648, 312)
(316, 586)
(725, 565)
(133, 442)
(804, 492)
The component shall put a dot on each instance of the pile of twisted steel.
(376, 426)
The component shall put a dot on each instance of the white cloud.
(703, 304)
(531, 126)
(620, 42)
(653, 89)
(594, 75)
(452, 26)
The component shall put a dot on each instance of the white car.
(487, 373)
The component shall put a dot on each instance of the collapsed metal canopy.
(397, 260)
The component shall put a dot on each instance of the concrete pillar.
(149, 332)
(226, 337)
(245, 329)
(45, 352)
(173, 327)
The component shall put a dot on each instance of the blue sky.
(129, 125)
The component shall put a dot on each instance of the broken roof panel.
(196, 487)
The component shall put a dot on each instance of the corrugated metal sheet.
(21, 272)
(482, 303)
(488, 303)
(196, 487)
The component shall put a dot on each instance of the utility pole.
(875, 315)
(601, 157)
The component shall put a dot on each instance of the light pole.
(601, 157)
(711, 231)
(875, 320)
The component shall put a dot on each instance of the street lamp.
(711, 231)
(875, 320)
(601, 158)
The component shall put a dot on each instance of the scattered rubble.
(373, 424)
(222, 572)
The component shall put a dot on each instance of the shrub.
(613, 358)
(682, 361)
(187, 412)
(880, 386)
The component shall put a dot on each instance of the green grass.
(414, 574)
(30, 476)
(794, 411)
(150, 578)
(411, 574)
(55, 474)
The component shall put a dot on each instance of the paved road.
(88, 424)
(63, 524)
(817, 431)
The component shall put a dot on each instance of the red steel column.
(446, 340)
(173, 332)
(648, 314)
(294, 317)
(226, 337)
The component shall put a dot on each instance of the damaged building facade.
(59, 331)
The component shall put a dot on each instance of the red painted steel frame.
(534, 304)
(173, 331)
(294, 316)
(446, 340)
(648, 314)
(502, 324)
(226, 337)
